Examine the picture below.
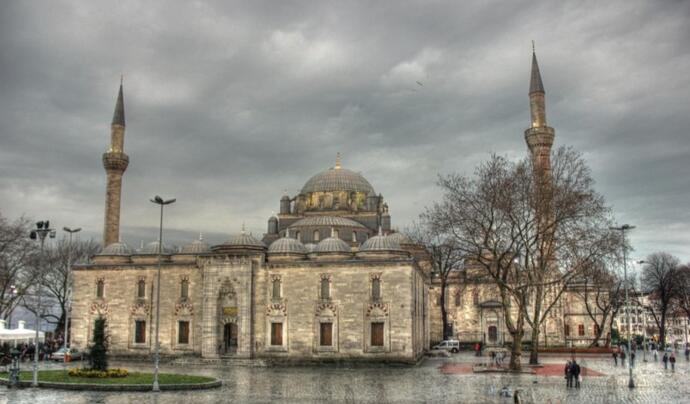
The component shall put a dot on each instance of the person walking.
(622, 358)
(672, 359)
(665, 360)
(615, 358)
(632, 358)
(568, 374)
(476, 349)
(655, 352)
(687, 352)
(576, 374)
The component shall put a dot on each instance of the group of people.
(669, 357)
(497, 357)
(573, 373)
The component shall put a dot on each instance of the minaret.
(115, 162)
(539, 137)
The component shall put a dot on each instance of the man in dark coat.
(568, 374)
(665, 360)
(615, 358)
(575, 370)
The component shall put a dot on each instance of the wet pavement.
(389, 384)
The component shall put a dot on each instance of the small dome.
(273, 219)
(332, 245)
(152, 248)
(116, 249)
(196, 247)
(287, 245)
(244, 240)
(401, 238)
(310, 247)
(380, 243)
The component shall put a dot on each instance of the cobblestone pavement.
(388, 384)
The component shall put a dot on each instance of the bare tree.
(683, 301)
(602, 292)
(446, 257)
(531, 236)
(56, 278)
(17, 253)
(662, 282)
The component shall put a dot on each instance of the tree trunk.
(516, 352)
(662, 330)
(534, 350)
(444, 313)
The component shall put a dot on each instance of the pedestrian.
(576, 374)
(672, 359)
(687, 353)
(476, 349)
(568, 375)
(615, 357)
(632, 359)
(493, 358)
(665, 360)
(656, 353)
(622, 358)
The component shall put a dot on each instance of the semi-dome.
(401, 238)
(380, 243)
(198, 246)
(287, 245)
(338, 179)
(119, 248)
(329, 221)
(152, 248)
(332, 245)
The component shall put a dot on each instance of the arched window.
(298, 235)
(458, 298)
(100, 288)
(325, 288)
(336, 233)
(276, 289)
(354, 236)
(141, 289)
(376, 289)
(317, 235)
(184, 289)
(475, 296)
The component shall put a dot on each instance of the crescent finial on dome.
(337, 161)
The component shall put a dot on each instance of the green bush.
(99, 350)
(81, 372)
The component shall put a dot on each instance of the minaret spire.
(539, 136)
(115, 162)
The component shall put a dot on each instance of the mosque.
(328, 281)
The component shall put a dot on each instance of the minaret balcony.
(116, 161)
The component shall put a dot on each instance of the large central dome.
(338, 179)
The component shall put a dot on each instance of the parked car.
(59, 355)
(448, 345)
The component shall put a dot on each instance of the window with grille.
(183, 332)
(326, 334)
(567, 330)
(376, 334)
(581, 330)
(276, 289)
(276, 334)
(140, 331)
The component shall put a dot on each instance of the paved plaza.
(395, 384)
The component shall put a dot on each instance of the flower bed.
(81, 372)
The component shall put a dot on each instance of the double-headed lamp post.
(623, 229)
(68, 292)
(158, 201)
(42, 231)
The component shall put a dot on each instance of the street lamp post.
(644, 324)
(42, 230)
(159, 201)
(622, 229)
(68, 307)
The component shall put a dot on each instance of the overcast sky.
(229, 104)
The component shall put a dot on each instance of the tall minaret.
(539, 137)
(115, 162)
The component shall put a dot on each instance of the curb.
(118, 387)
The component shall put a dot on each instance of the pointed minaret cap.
(535, 84)
(119, 114)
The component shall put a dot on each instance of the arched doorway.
(493, 334)
(229, 339)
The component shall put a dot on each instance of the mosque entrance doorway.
(230, 338)
(493, 334)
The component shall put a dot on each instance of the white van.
(448, 345)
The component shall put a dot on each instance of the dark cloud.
(229, 104)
